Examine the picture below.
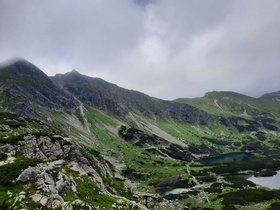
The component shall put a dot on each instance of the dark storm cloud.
(165, 48)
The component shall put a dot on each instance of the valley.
(75, 142)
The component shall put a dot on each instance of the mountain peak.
(19, 66)
(15, 61)
(21, 78)
(74, 71)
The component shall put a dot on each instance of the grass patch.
(9, 172)
(89, 193)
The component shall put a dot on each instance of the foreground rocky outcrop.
(63, 171)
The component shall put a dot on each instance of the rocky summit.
(75, 142)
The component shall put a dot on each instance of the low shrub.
(247, 196)
(3, 156)
(9, 172)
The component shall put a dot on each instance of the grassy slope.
(230, 103)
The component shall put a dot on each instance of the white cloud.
(164, 48)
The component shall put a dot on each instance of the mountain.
(104, 95)
(274, 97)
(231, 103)
(22, 82)
(75, 142)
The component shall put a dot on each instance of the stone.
(135, 207)
(10, 194)
(55, 201)
(36, 197)
(20, 198)
(52, 189)
(61, 185)
(55, 204)
(48, 179)
(22, 193)
(67, 206)
(150, 202)
(31, 173)
(44, 200)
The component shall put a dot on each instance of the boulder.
(48, 179)
(67, 206)
(31, 173)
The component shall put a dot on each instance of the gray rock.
(61, 185)
(67, 206)
(55, 201)
(136, 207)
(52, 189)
(36, 197)
(44, 200)
(48, 179)
(31, 173)
(150, 203)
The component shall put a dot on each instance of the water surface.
(271, 181)
(177, 191)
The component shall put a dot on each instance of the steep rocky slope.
(101, 94)
(22, 85)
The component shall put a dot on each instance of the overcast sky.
(165, 48)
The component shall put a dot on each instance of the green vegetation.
(89, 193)
(230, 103)
(247, 196)
(150, 169)
(138, 136)
(3, 156)
(9, 172)
(117, 185)
(8, 175)
(256, 164)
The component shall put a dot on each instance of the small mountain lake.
(271, 181)
(177, 191)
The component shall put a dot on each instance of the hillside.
(109, 97)
(274, 97)
(231, 103)
(96, 145)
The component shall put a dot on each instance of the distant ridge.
(275, 97)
